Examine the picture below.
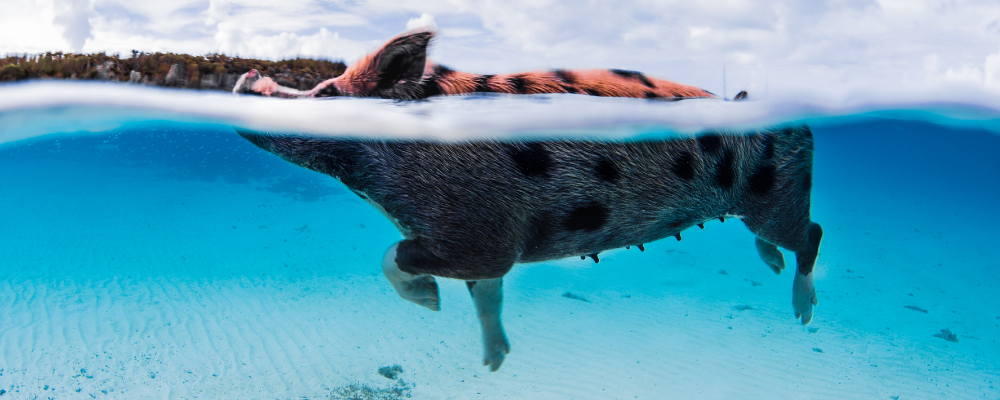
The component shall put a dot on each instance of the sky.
(763, 46)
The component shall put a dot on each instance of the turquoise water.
(153, 253)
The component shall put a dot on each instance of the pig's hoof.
(777, 263)
(496, 348)
(803, 297)
(771, 256)
(421, 290)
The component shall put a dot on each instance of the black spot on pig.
(531, 158)
(590, 217)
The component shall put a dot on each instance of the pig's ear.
(399, 65)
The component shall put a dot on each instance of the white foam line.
(43, 107)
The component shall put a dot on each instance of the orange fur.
(363, 78)
(597, 82)
(360, 77)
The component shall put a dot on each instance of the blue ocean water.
(167, 257)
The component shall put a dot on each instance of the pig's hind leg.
(487, 294)
(803, 289)
(777, 211)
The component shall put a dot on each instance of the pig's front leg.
(419, 289)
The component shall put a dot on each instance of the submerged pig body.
(471, 210)
(483, 206)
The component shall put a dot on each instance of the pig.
(471, 209)
(400, 70)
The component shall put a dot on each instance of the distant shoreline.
(209, 72)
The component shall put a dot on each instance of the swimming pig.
(400, 70)
(471, 210)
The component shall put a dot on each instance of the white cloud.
(74, 17)
(218, 10)
(967, 74)
(931, 66)
(235, 40)
(987, 76)
(992, 68)
(460, 32)
(27, 26)
(424, 21)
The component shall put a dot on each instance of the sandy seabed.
(122, 282)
